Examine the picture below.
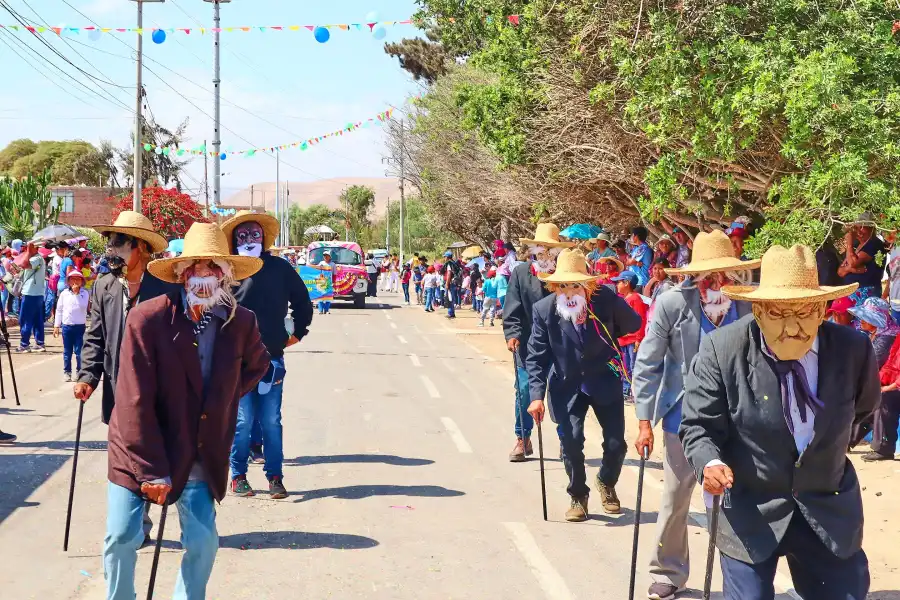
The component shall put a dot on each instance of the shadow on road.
(20, 475)
(295, 540)
(386, 459)
(358, 492)
(884, 595)
(65, 445)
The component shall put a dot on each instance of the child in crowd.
(405, 276)
(417, 277)
(626, 283)
(431, 282)
(71, 319)
(489, 288)
(479, 296)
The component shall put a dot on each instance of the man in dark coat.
(574, 357)
(769, 405)
(524, 291)
(268, 293)
(185, 362)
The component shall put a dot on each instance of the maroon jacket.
(163, 421)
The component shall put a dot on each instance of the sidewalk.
(880, 481)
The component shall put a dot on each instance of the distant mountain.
(323, 191)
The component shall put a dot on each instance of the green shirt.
(34, 279)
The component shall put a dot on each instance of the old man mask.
(248, 239)
(789, 329)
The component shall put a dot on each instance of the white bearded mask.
(208, 291)
(544, 258)
(714, 303)
(571, 303)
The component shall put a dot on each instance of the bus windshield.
(340, 256)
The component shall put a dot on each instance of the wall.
(91, 206)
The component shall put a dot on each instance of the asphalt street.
(396, 433)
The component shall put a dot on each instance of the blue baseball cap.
(629, 276)
(448, 254)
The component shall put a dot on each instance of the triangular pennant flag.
(371, 26)
(407, 22)
(140, 31)
(248, 29)
(229, 29)
(278, 28)
(106, 29)
(294, 27)
(56, 30)
(389, 23)
(187, 31)
(90, 28)
(29, 28)
(514, 19)
(121, 30)
(344, 27)
(358, 26)
(202, 31)
(310, 27)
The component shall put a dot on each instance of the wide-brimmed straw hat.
(713, 252)
(269, 224)
(546, 234)
(665, 238)
(571, 267)
(614, 260)
(789, 275)
(602, 237)
(136, 225)
(205, 241)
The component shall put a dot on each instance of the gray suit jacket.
(672, 341)
(733, 412)
(524, 291)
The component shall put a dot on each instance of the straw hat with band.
(791, 276)
(547, 235)
(603, 237)
(137, 226)
(713, 252)
(205, 241)
(268, 223)
(616, 261)
(571, 267)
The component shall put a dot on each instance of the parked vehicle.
(349, 277)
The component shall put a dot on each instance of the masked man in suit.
(573, 355)
(681, 318)
(768, 410)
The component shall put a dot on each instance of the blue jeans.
(628, 355)
(125, 534)
(266, 408)
(405, 287)
(256, 436)
(324, 305)
(429, 299)
(525, 423)
(73, 340)
(453, 299)
(31, 320)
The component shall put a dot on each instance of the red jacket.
(890, 372)
(638, 306)
(163, 422)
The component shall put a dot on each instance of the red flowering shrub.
(171, 212)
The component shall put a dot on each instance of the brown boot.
(528, 448)
(579, 510)
(518, 452)
(608, 498)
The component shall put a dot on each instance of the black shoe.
(276, 488)
(7, 438)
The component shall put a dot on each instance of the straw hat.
(612, 259)
(205, 241)
(713, 252)
(571, 267)
(546, 234)
(789, 276)
(602, 237)
(269, 224)
(136, 225)
(665, 238)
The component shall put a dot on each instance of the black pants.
(609, 406)
(817, 573)
(887, 419)
(372, 290)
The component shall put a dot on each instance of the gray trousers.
(671, 561)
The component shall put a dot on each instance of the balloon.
(159, 150)
(166, 151)
(159, 36)
(223, 156)
(95, 35)
(380, 32)
(321, 34)
(148, 147)
(372, 17)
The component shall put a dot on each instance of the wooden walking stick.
(637, 522)
(711, 553)
(159, 539)
(541, 457)
(5, 332)
(74, 468)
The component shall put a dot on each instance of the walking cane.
(637, 522)
(5, 332)
(72, 481)
(541, 457)
(711, 553)
(159, 539)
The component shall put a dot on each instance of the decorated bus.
(349, 279)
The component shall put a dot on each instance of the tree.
(15, 150)
(26, 204)
(356, 204)
(171, 212)
(423, 59)
(421, 232)
(301, 219)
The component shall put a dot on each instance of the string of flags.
(303, 145)
(225, 212)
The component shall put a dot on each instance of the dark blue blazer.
(564, 361)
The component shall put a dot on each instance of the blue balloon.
(380, 32)
(223, 156)
(321, 34)
(159, 36)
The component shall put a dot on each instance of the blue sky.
(302, 87)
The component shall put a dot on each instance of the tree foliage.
(421, 232)
(357, 202)
(301, 219)
(26, 205)
(171, 212)
(786, 111)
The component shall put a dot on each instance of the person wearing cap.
(71, 320)
(665, 248)
(524, 291)
(489, 289)
(606, 268)
(626, 282)
(268, 293)
(31, 309)
(681, 318)
(452, 273)
(186, 360)
(839, 312)
(770, 402)
(861, 258)
(601, 249)
(325, 265)
(573, 358)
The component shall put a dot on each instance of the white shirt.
(431, 280)
(72, 309)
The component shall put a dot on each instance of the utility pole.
(285, 215)
(217, 132)
(139, 99)
(402, 176)
(277, 188)
(387, 228)
(251, 198)
(206, 179)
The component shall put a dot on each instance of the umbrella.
(56, 233)
(477, 261)
(581, 231)
(472, 252)
(457, 245)
(319, 229)
(176, 247)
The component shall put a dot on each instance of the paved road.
(396, 437)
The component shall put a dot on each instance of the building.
(85, 206)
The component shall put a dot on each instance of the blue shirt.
(489, 287)
(672, 420)
(64, 266)
(644, 257)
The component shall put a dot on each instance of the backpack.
(456, 272)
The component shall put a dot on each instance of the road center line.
(388, 316)
(36, 363)
(415, 360)
(393, 325)
(402, 339)
(430, 387)
(548, 578)
(456, 435)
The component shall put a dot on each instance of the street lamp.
(138, 139)
(217, 138)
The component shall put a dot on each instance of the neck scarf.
(802, 394)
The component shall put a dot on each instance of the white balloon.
(372, 17)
